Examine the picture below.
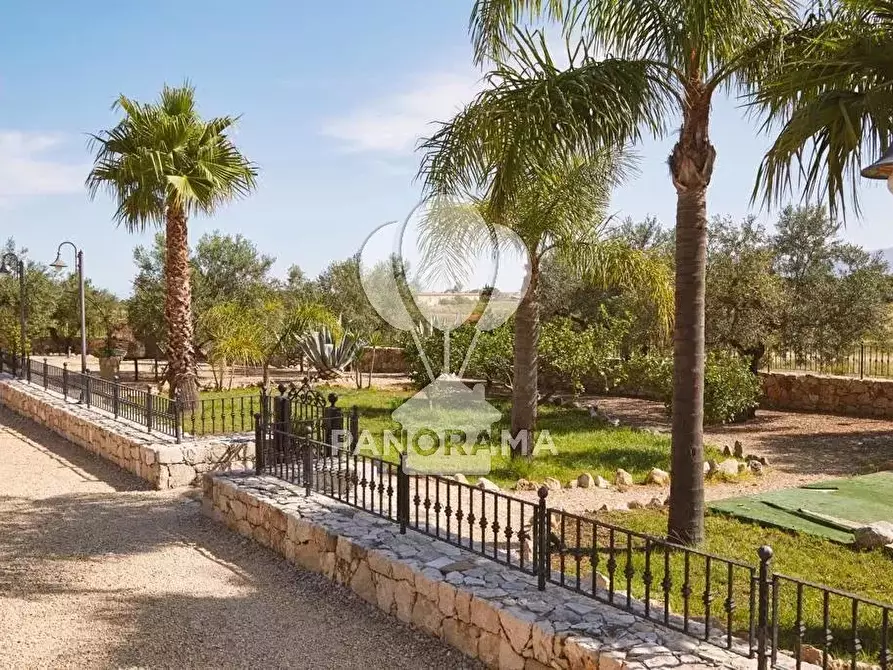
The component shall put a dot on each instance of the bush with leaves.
(581, 358)
(731, 390)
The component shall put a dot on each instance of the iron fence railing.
(865, 360)
(743, 607)
(154, 412)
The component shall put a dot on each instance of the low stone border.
(476, 605)
(153, 457)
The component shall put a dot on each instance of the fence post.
(764, 584)
(116, 398)
(259, 429)
(136, 369)
(861, 360)
(178, 416)
(541, 539)
(15, 364)
(28, 368)
(1, 360)
(307, 458)
(87, 392)
(150, 409)
(354, 426)
(402, 496)
(156, 370)
(45, 375)
(65, 380)
(279, 403)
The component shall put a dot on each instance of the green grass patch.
(867, 573)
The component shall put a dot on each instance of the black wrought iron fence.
(154, 412)
(865, 360)
(746, 608)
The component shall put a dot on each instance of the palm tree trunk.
(691, 165)
(525, 387)
(178, 310)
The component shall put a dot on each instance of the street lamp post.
(59, 264)
(20, 266)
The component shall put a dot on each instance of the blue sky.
(333, 97)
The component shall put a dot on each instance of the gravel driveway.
(96, 571)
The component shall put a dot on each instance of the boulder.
(755, 467)
(487, 485)
(552, 484)
(877, 534)
(623, 478)
(585, 481)
(658, 476)
(729, 467)
(526, 485)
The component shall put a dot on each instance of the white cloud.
(394, 124)
(28, 167)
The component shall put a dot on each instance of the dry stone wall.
(482, 608)
(156, 458)
(833, 395)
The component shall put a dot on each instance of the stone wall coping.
(154, 457)
(482, 608)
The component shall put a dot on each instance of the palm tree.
(692, 48)
(556, 206)
(163, 163)
(830, 95)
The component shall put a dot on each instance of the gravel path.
(98, 572)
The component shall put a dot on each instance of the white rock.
(658, 476)
(487, 485)
(602, 483)
(552, 484)
(729, 467)
(459, 477)
(623, 478)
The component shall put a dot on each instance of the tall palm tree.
(830, 96)
(555, 202)
(163, 163)
(693, 48)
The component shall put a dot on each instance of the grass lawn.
(867, 573)
(583, 444)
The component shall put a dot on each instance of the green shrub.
(579, 357)
(731, 390)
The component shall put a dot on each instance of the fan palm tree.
(693, 48)
(830, 95)
(556, 204)
(163, 163)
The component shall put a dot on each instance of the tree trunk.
(178, 310)
(525, 387)
(266, 371)
(691, 165)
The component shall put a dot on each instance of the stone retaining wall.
(476, 605)
(834, 395)
(156, 458)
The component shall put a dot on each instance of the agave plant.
(327, 355)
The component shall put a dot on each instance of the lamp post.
(59, 264)
(20, 266)
(882, 168)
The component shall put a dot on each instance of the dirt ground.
(800, 448)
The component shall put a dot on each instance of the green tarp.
(856, 499)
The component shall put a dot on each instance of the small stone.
(459, 477)
(729, 467)
(585, 481)
(572, 484)
(877, 534)
(623, 478)
(755, 467)
(552, 484)
(726, 451)
(526, 485)
(487, 485)
(655, 503)
(634, 504)
(658, 477)
(602, 483)
(739, 449)
(811, 655)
